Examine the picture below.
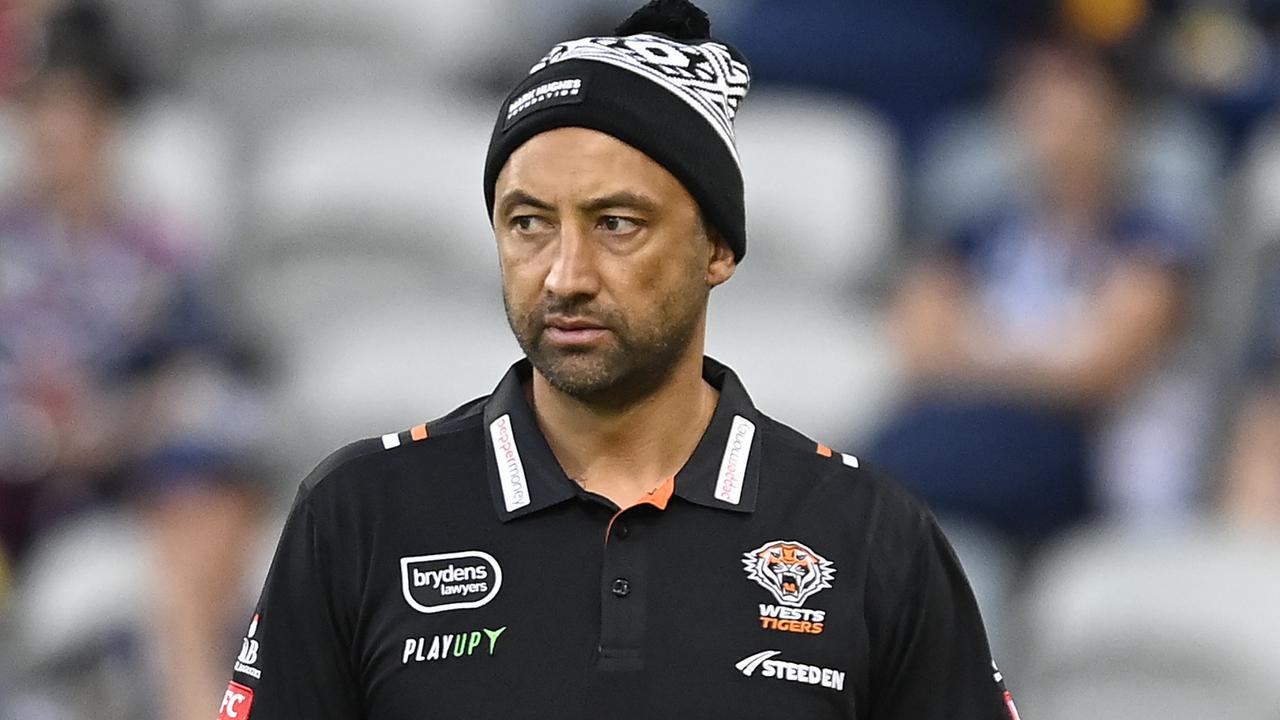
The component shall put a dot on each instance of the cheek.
(521, 272)
(663, 270)
(519, 287)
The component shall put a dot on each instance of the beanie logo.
(549, 94)
(707, 75)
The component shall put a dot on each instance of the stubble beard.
(639, 356)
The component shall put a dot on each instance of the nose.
(573, 270)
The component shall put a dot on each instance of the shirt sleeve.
(934, 662)
(295, 660)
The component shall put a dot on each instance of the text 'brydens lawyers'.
(454, 580)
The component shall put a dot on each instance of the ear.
(721, 265)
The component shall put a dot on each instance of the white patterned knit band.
(705, 75)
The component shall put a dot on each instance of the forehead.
(573, 162)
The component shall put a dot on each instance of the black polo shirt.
(454, 571)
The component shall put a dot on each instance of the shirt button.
(621, 587)
(622, 530)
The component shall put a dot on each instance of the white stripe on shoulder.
(849, 460)
(390, 440)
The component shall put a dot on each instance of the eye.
(618, 225)
(528, 223)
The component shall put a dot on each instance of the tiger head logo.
(789, 570)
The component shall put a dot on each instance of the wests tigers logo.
(788, 569)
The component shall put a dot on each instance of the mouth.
(790, 583)
(573, 331)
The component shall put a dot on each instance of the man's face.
(606, 264)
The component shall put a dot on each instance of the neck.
(623, 453)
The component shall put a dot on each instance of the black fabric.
(642, 114)
(644, 612)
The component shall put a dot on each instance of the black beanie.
(662, 86)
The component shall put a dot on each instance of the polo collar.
(723, 472)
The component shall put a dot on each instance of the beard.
(639, 353)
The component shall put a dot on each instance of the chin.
(580, 376)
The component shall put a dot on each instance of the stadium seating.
(175, 159)
(369, 346)
(821, 176)
(436, 42)
(822, 207)
(1173, 625)
(1261, 177)
(377, 173)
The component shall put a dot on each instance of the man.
(616, 531)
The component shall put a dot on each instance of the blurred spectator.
(911, 60)
(118, 380)
(20, 23)
(1022, 331)
(1251, 491)
(1226, 58)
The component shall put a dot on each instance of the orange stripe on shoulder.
(418, 432)
(823, 450)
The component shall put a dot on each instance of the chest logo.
(450, 645)
(802, 673)
(450, 581)
(790, 570)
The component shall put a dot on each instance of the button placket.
(622, 603)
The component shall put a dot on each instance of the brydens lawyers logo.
(236, 702)
(792, 572)
(449, 581)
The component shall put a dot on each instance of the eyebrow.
(619, 199)
(515, 198)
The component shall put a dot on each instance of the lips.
(562, 323)
(574, 331)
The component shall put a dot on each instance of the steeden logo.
(450, 581)
(790, 671)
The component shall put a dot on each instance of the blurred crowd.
(1023, 254)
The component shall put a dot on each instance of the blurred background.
(1024, 254)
